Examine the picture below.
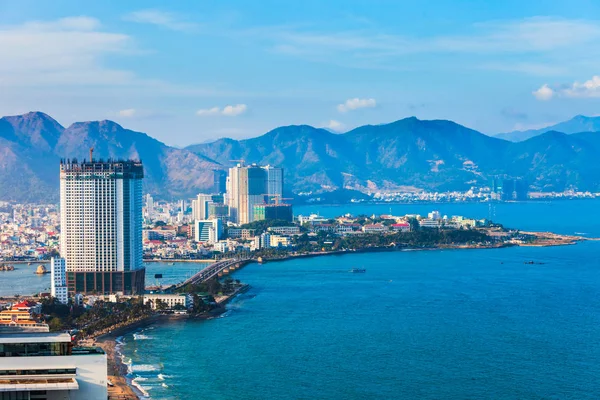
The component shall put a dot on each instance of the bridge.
(212, 270)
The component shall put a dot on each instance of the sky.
(193, 71)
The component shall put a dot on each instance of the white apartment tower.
(58, 280)
(101, 225)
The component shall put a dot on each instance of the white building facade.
(101, 225)
(44, 365)
(58, 280)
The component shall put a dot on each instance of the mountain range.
(407, 154)
(32, 145)
(579, 123)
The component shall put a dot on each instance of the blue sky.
(191, 71)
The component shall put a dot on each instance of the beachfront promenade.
(212, 271)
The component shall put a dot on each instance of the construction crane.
(242, 161)
(277, 198)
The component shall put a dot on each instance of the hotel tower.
(101, 225)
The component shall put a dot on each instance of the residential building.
(58, 280)
(239, 233)
(401, 227)
(208, 231)
(45, 365)
(247, 188)
(279, 241)
(274, 176)
(285, 230)
(430, 223)
(101, 225)
(219, 181)
(374, 228)
(169, 300)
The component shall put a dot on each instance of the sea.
(512, 323)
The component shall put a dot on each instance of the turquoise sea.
(452, 324)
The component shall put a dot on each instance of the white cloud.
(228, 111)
(334, 125)
(356, 103)
(127, 113)
(232, 111)
(589, 88)
(67, 51)
(544, 93)
(160, 18)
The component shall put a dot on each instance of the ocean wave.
(141, 389)
(144, 368)
(139, 379)
(141, 336)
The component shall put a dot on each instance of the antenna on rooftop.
(91, 153)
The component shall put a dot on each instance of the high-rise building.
(201, 205)
(208, 231)
(247, 188)
(149, 206)
(274, 184)
(58, 280)
(101, 225)
(219, 181)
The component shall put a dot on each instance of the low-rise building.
(170, 300)
(285, 230)
(374, 228)
(279, 241)
(239, 233)
(401, 227)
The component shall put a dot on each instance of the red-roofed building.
(401, 227)
(29, 306)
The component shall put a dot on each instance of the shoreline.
(118, 372)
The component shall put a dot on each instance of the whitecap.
(140, 388)
(144, 368)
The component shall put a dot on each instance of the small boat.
(170, 263)
(358, 270)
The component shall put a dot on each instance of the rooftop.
(31, 337)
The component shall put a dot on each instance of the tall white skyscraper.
(58, 280)
(247, 188)
(101, 226)
(149, 206)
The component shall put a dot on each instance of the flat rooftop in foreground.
(25, 385)
(34, 337)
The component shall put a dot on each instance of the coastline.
(118, 371)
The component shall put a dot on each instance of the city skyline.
(191, 72)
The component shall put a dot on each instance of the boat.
(358, 270)
(170, 263)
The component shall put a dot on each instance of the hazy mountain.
(31, 146)
(579, 123)
(411, 153)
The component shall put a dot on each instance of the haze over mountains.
(579, 123)
(403, 155)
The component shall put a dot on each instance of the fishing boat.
(358, 270)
